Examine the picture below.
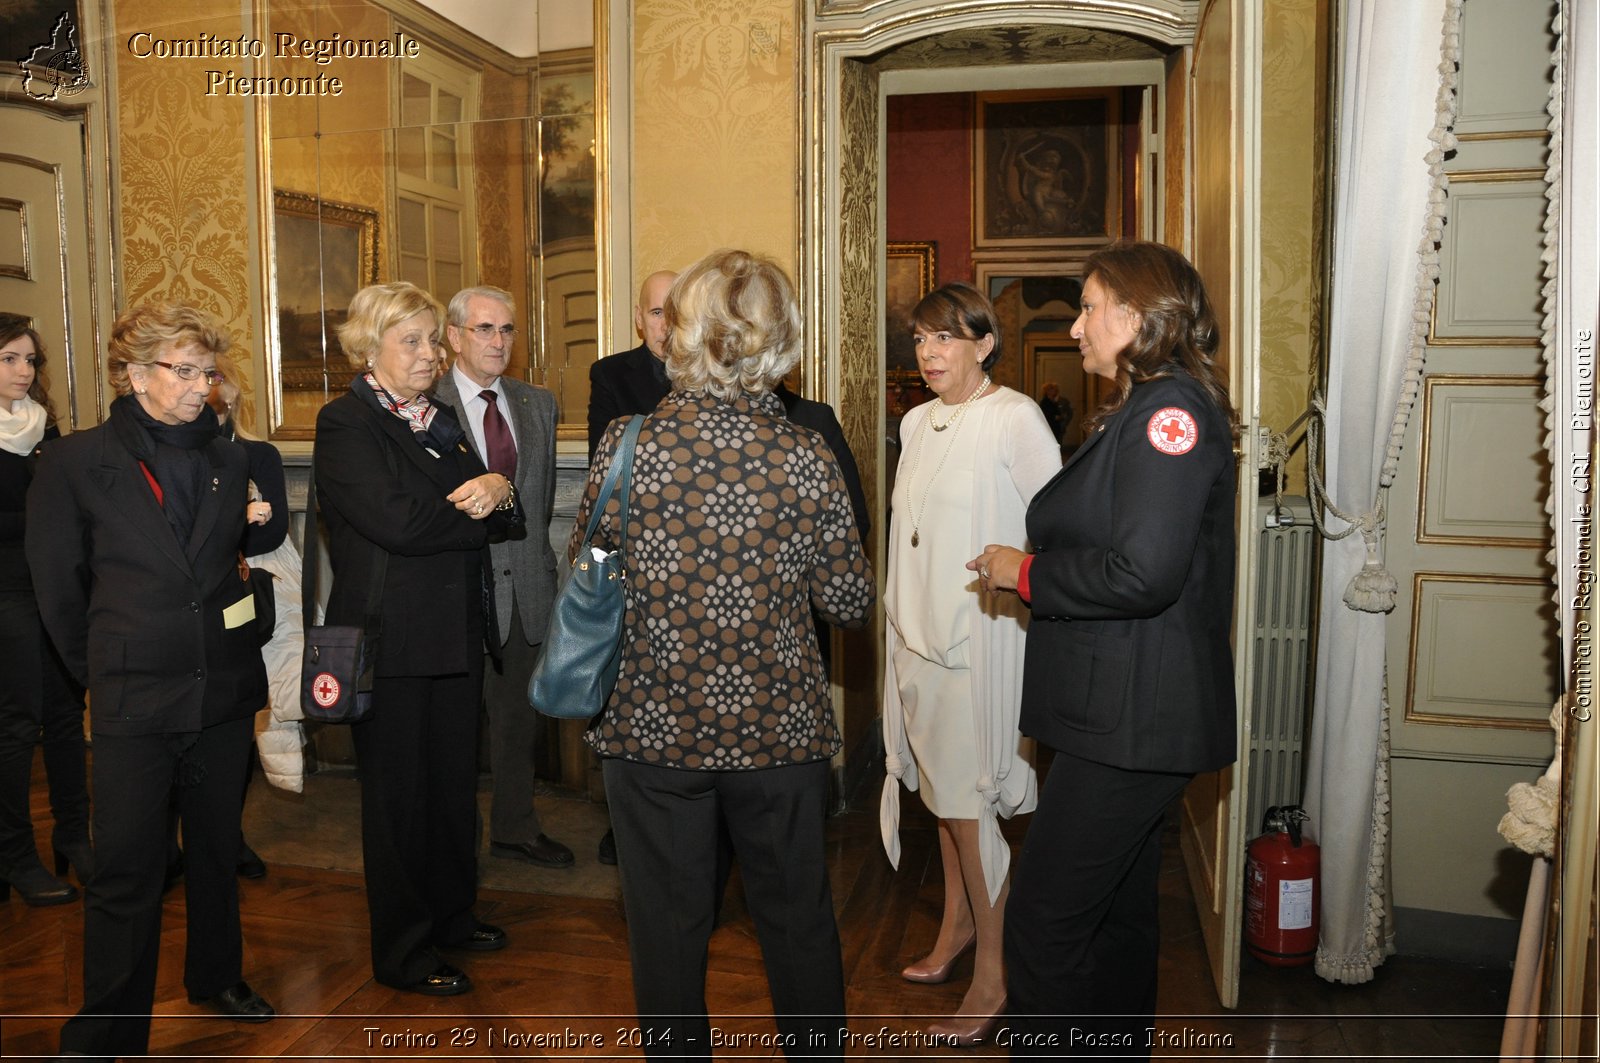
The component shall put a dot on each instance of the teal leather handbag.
(583, 647)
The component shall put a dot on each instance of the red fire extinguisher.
(1282, 892)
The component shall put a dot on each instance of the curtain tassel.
(1374, 589)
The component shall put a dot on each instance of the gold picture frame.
(324, 253)
(909, 273)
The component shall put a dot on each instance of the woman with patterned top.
(739, 523)
(952, 685)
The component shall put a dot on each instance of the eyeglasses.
(486, 331)
(185, 371)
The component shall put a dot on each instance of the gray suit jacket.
(525, 561)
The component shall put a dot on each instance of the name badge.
(240, 612)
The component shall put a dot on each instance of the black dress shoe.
(484, 938)
(543, 850)
(445, 981)
(250, 865)
(608, 848)
(240, 1003)
(38, 887)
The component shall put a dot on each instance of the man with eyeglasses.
(512, 426)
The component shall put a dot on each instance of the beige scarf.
(22, 427)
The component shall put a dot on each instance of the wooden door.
(45, 259)
(1222, 129)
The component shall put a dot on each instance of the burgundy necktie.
(497, 437)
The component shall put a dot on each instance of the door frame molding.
(845, 31)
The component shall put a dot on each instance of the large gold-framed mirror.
(460, 148)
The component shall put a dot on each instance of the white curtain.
(1386, 216)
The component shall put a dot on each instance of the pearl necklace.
(981, 388)
(922, 439)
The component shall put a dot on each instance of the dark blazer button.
(194, 607)
(199, 673)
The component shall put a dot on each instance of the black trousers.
(514, 729)
(39, 703)
(133, 783)
(1081, 933)
(666, 821)
(417, 756)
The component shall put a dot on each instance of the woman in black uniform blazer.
(133, 541)
(399, 486)
(1129, 669)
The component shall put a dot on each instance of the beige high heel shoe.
(930, 974)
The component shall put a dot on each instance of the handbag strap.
(309, 568)
(621, 469)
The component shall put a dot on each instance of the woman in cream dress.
(972, 459)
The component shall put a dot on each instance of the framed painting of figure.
(1048, 173)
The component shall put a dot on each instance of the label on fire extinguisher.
(1294, 904)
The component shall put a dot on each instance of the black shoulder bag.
(336, 672)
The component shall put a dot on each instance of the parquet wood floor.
(562, 988)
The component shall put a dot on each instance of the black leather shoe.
(251, 866)
(240, 1003)
(38, 887)
(543, 850)
(445, 981)
(485, 938)
(608, 848)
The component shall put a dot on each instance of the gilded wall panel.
(859, 368)
(184, 213)
(715, 131)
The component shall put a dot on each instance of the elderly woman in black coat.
(133, 541)
(403, 494)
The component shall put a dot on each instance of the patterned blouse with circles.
(739, 523)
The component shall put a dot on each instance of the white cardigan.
(1023, 456)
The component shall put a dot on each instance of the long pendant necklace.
(922, 440)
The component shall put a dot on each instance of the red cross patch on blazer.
(1172, 430)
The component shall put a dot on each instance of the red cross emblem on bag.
(325, 688)
(1172, 430)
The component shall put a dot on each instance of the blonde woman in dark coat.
(740, 522)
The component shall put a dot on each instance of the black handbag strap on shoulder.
(621, 471)
(310, 544)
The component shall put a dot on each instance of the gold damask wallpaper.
(182, 175)
(1294, 44)
(715, 122)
